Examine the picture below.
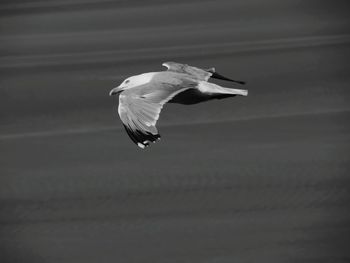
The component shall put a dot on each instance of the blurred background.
(263, 178)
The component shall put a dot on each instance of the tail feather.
(211, 88)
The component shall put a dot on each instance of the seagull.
(142, 97)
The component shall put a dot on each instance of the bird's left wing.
(139, 110)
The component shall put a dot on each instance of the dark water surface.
(257, 179)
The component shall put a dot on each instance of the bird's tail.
(211, 88)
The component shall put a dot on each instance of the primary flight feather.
(142, 97)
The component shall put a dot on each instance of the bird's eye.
(127, 81)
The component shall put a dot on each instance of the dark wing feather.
(139, 112)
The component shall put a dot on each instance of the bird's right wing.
(194, 72)
(197, 73)
(139, 110)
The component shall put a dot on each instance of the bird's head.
(123, 86)
(131, 82)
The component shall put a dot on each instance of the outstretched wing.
(194, 72)
(139, 110)
(197, 73)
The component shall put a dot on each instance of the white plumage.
(142, 97)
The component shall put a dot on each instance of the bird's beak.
(115, 91)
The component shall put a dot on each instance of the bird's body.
(143, 96)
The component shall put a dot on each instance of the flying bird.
(142, 97)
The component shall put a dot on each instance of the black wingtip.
(141, 138)
(216, 75)
(240, 82)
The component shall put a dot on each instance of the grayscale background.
(258, 179)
